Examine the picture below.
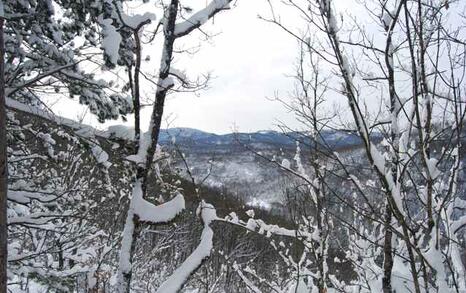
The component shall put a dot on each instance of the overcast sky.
(249, 60)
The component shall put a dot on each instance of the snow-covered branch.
(179, 277)
(199, 18)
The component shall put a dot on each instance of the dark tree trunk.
(160, 95)
(387, 253)
(156, 121)
(3, 169)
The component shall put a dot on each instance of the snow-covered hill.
(236, 161)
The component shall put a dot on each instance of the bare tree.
(147, 145)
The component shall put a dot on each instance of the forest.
(364, 192)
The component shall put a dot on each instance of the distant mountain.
(188, 137)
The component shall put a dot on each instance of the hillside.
(94, 183)
(236, 161)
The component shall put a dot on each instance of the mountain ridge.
(332, 139)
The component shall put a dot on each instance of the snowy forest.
(364, 192)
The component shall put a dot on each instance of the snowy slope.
(233, 161)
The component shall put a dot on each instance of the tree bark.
(3, 169)
(387, 253)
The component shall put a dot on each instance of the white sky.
(249, 60)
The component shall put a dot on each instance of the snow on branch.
(201, 17)
(81, 130)
(111, 39)
(136, 20)
(176, 281)
(259, 226)
(26, 197)
(149, 212)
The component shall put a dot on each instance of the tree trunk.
(3, 169)
(143, 171)
(387, 253)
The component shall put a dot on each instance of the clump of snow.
(207, 213)
(121, 131)
(260, 203)
(111, 39)
(144, 143)
(101, 156)
(124, 265)
(133, 21)
(286, 164)
(48, 141)
(201, 17)
(26, 197)
(250, 213)
(166, 83)
(146, 211)
(178, 73)
(233, 218)
(156, 214)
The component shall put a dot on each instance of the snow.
(286, 164)
(178, 73)
(80, 129)
(174, 283)
(260, 203)
(259, 226)
(233, 218)
(434, 172)
(144, 143)
(299, 164)
(149, 212)
(25, 197)
(121, 131)
(201, 17)
(100, 155)
(246, 280)
(111, 39)
(166, 83)
(300, 287)
(48, 142)
(124, 265)
(133, 21)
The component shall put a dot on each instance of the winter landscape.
(282, 146)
